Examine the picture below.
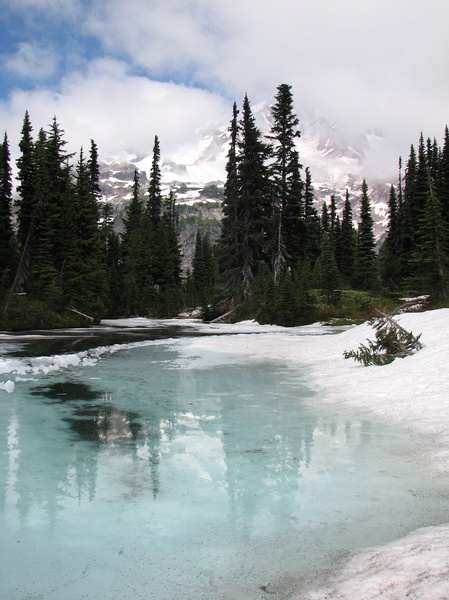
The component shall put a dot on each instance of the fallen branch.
(81, 314)
(221, 317)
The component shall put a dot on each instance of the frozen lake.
(134, 467)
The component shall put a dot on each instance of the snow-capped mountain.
(197, 171)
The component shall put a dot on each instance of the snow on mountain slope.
(336, 165)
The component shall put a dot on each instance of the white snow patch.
(8, 386)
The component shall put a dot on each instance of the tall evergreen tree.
(333, 216)
(26, 175)
(246, 228)
(390, 249)
(312, 233)
(173, 256)
(366, 267)
(254, 201)
(7, 239)
(204, 271)
(154, 204)
(325, 219)
(443, 184)
(286, 180)
(93, 167)
(430, 259)
(230, 227)
(346, 247)
(330, 280)
(88, 286)
(133, 261)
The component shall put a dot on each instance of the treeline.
(278, 255)
(416, 251)
(275, 246)
(62, 249)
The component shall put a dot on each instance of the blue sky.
(121, 72)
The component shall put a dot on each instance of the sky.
(122, 72)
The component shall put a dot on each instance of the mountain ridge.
(197, 171)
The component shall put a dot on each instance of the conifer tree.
(366, 267)
(388, 257)
(246, 229)
(154, 204)
(230, 238)
(286, 180)
(443, 183)
(346, 257)
(325, 220)
(204, 271)
(254, 201)
(50, 238)
(407, 218)
(312, 221)
(173, 256)
(330, 280)
(132, 251)
(88, 282)
(421, 183)
(333, 217)
(26, 177)
(94, 173)
(430, 258)
(7, 239)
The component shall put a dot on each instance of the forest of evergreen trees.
(277, 253)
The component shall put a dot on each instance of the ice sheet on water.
(8, 386)
(42, 365)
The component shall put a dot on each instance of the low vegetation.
(392, 341)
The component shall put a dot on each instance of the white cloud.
(121, 112)
(31, 61)
(374, 64)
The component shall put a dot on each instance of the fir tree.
(330, 282)
(7, 239)
(254, 203)
(443, 183)
(430, 258)
(230, 238)
(246, 228)
(366, 268)
(94, 173)
(346, 257)
(312, 222)
(88, 287)
(173, 258)
(204, 272)
(26, 177)
(132, 251)
(390, 248)
(286, 180)
(154, 204)
(46, 258)
(332, 217)
(325, 220)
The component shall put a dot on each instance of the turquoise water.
(152, 473)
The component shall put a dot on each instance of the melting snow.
(412, 392)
